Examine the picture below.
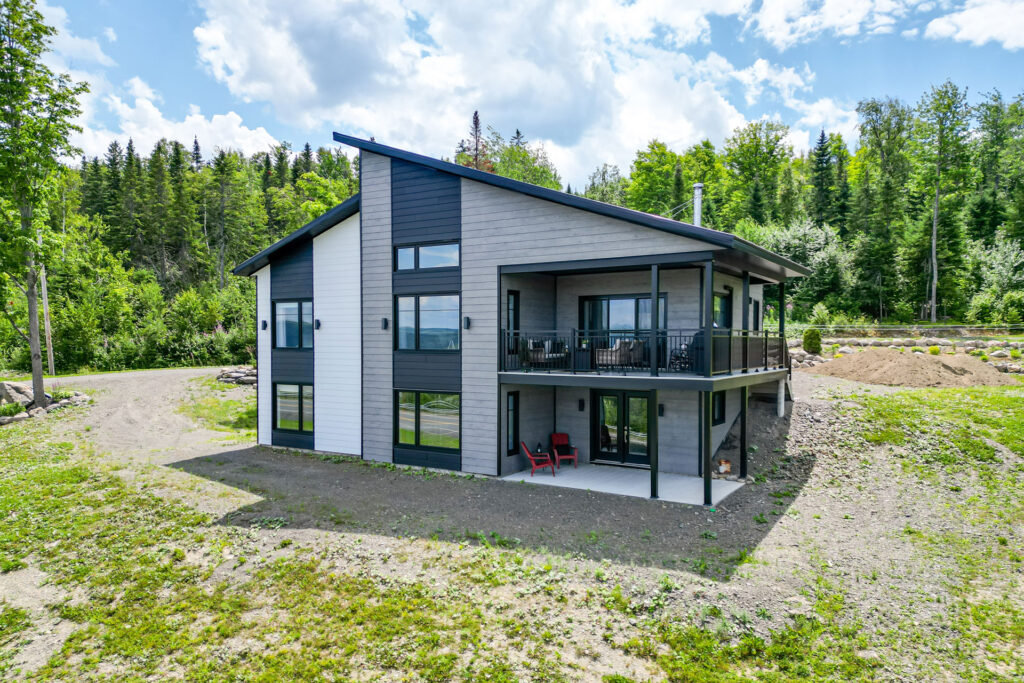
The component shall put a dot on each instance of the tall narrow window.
(406, 322)
(512, 311)
(428, 420)
(293, 407)
(512, 423)
(718, 408)
(723, 310)
(293, 324)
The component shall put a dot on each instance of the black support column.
(744, 396)
(652, 438)
(655, 287)
(709, 314)
(705, 443)
(746, 320)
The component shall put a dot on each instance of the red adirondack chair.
(562, 450)
(538, 461)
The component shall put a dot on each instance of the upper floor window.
(428, 322)
(427, 256)
(293, 324)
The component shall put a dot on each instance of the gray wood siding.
(425, 204)
(292, 365)
(428, 371)
(536, 422)
(291, 275)
(422, 282)
(504, 227)
(375, 247)
(536, 300)
(681, 287)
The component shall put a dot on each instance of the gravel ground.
(815, 509)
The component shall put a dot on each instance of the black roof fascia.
(608, 264)
(320, 224)
(716, 237)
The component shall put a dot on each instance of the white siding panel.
(337, 361)
(263, 408)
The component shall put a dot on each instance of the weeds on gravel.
(207, 405)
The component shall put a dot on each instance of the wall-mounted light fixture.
(661, 410)
(316, 324)
(263, 325)
(383, 323)
(583, 405)
(465, 323)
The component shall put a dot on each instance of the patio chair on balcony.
(538, 461)
(563, 450)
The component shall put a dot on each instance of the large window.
(621, 313)
(427, 256)
(427, 419)
(293, 407)
(427, 322)
(512, 422)
(293, 324)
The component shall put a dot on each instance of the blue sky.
(592, 81)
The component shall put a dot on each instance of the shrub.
(1014, 353)
(984, 358)
(819, 315)
(916, 349)
(60, 394)
(1011, 308)
(10, 409)
(812, 340)
(934, 350)
(982, 308)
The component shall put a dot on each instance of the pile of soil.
(893, 368)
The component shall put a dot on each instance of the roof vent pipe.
(698, 194)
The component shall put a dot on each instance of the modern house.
(445, 316)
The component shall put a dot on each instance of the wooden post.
(744, 396)
(655, 287)
(652, 438)
(705, 443)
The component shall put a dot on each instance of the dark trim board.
(290, 439)
(641, 382)
(419, 458)
(600, 265)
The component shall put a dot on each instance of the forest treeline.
(923, 213)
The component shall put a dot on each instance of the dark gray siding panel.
(428, 371)
(292, 440)
(418, 458)
(292, 365)
(426, 281)
(425, 204)
(291, 276)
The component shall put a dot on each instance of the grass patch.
(207, 404)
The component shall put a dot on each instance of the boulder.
(999, 353)
(15, 392)
(36, 412)
(845, 350)
(1014, 368)
(793, 343)
(53, 406)
(17, 418)
(64, 402)
(246, 380)
(994, 344)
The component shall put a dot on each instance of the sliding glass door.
(620, 427)
(624, 314)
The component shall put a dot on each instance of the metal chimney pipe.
(698, 194)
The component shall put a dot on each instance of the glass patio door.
(620, 427)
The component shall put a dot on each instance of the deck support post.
(705, 442)
(744, 396)
(652, 438)
(782, 398)
(709, 314)
(655, 318)
(782, 310)
(746, 319)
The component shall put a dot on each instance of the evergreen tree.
(606, 184)
(92, 187)
(841, 192)
(281, 169)
(197, 155)
(789, 197)
(303, 163)
(822, 179)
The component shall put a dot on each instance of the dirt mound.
(893, 368)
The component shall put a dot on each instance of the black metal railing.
(675, 351)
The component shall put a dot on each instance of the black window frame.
(416, 318)
(727, 307)
(662, 310)
(273, 407)
(512, 422)
(273, 324)
(718, 403)
(512, 312)
(416, 422)
(416, 257)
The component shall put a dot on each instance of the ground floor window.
(512, 422)
(293, 407)
(427, 419)
(718, 408)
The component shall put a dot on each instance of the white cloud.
(981, 21)
(71, 48)
(110, 34)
(909, 34)
(785, 23)
(786, 80)
(139, 89)
(824, 113)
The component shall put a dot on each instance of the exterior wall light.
(465, 323)
(383, 323)
(583, 405)
(316, 324)
(263, 325)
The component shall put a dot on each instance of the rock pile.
(16, 393)
(243, 374)
(1004, 356)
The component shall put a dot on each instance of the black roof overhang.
(320, 224)
(780, 265)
